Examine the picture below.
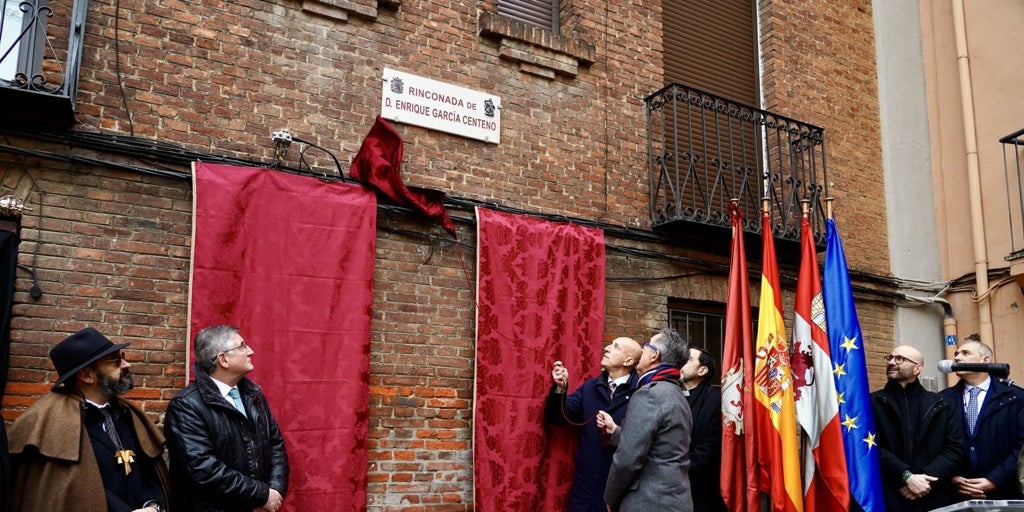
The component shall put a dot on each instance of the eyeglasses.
(898, 360)
(240, 346)
(115, 358)
(652, 347)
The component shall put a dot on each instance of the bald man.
(920, 440)
(610, 392)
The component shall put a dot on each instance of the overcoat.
(706, 447)
(650, 468)
(593, 453)
(994, 447)
(917, 431)
(222, 460)
(52, 450)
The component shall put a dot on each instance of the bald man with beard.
(610, 392)
(920, 440)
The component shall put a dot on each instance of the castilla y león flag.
(817, 403)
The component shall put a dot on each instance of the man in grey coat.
(650, 468)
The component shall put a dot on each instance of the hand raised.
(560, 375)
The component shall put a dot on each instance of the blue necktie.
(235, 397)
(972, 408)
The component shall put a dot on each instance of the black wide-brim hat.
(78, 351)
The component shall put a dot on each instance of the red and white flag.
(826, 487)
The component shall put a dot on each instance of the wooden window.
(712, 45)
(543, 13)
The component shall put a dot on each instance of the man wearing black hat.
(81, 438)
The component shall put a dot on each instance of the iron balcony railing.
(705, 150)
(40, 59)
(1012, 166)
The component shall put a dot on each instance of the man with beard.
(81, 447)
(227, 452)
(609, 391)
(706, 436)
(920, 440)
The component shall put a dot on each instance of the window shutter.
(711, 45)
(536, 12)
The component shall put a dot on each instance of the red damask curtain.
(540, 298)
(289, 260)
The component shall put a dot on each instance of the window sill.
(340, 10)
(537, 50)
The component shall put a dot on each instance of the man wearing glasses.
(920, 441)
(227, 452)
(80, 446)
(650, 468)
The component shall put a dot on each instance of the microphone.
(995, 369)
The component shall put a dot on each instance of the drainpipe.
(973, 175)
(949, 336)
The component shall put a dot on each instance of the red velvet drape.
(540, 298)
(289, 260)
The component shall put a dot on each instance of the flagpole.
(846, 343)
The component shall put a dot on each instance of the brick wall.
(220, 77)
(111, 251)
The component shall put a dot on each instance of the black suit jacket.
(706, 447)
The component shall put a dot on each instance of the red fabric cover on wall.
(378, 163)
(540, 298)
(289, 260)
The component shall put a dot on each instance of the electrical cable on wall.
(117, 65)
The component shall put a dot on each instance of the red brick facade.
(219, 77)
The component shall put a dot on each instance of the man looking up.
(992, 417)
(227, 452)
(706, 436)
(608, 391)
(920, 441)
(81, 446)
(650, 468)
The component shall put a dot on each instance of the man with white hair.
(650, 469)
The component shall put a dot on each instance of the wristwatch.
(906, 476)
(156, 505)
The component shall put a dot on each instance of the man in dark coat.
(227, 452)
(650, 468)
(706, 436)
(593, 454)
(81, 446)
(920, 441)
(994, 441)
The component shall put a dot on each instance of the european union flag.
(850, 371)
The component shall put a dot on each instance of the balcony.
(1013, 147)
(40, 58)
(705, 150)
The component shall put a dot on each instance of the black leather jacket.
(221, 460)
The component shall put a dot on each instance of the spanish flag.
(775, 413)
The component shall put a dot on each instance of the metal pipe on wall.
(973, 175)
